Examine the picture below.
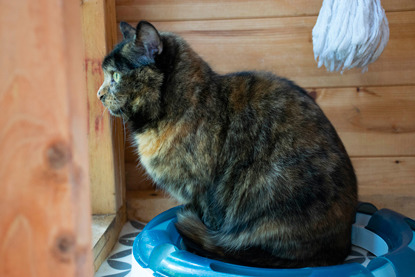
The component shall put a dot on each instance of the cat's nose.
(103, 89)
(100, 93)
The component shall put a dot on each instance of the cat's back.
(266, 92)
(264, 102)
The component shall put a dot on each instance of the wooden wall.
(374, 113)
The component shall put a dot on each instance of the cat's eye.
(116, 76)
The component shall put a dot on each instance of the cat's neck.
(188, 83)
(187, 77)
(178, 59)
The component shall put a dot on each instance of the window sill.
(105, 231)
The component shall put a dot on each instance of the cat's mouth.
(114, 106)
(114, 103)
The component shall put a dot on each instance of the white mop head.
(349, 33)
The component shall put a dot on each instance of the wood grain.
(136, 177)
(387, 182)
(45, 207)
(372, 121)
(168, 10)
(107, 240)
(105, 135)
(284, 46)
(143, 205)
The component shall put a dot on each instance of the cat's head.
(131, 81)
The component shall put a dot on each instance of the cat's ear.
(148, 36)
(127, 30)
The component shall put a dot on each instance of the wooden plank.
(130, 154)
(100, 225)
(284, 46)
(168, 10)
(387, 182)
(136, 177)
(105, 243)
(372, 121)
(117, 125)
(105, 134)
(45, 225)
(143, 205)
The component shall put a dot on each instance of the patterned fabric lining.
(118, 263)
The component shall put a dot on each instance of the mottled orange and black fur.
(263, 176)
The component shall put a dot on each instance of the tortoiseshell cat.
(263, 176)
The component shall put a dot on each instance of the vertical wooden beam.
(45, 208)
(105, 133)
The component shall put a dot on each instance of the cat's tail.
(218, 246)
(213, 244)
(197, 237)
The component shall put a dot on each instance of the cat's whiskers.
(123, 123)
(105, 109)
(124, 118)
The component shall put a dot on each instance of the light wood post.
(105, 133)
(44, 177)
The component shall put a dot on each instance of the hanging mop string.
(349, 33)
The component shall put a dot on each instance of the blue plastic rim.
(385, 233)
